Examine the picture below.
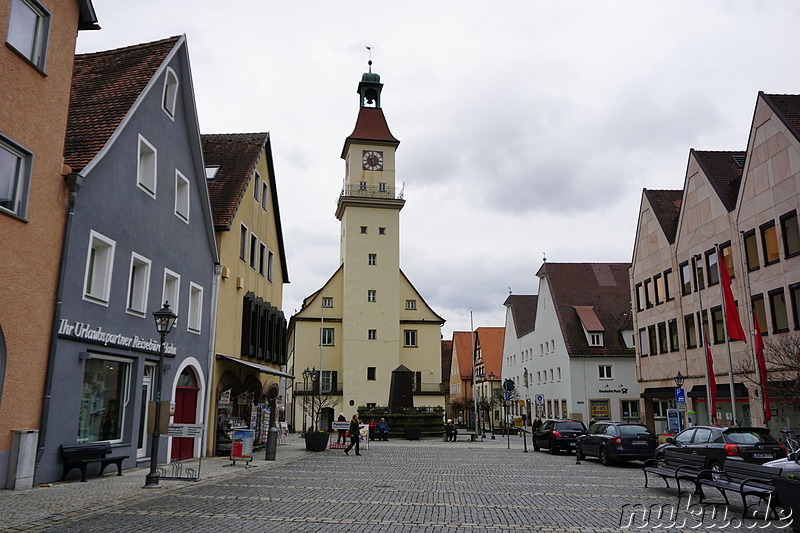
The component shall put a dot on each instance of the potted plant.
(313, 404)
(787, 491)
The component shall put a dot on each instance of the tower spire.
(369, 90)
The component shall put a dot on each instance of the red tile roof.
(370, 127)
(236, 155)
(462, 348)
(605, 287)
(667, 208)
(588, 318)
(523, 312)
(105, 85)
(490, 341)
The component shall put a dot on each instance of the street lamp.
(165, 320)
(679, 379)
(491, 403)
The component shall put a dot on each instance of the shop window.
(598, 409)
(691, 331)
(777, 309)
(660, 407)
(672, 326)
(102, 408)
(630, 409)
(751, 250)
(769, 243)
(791, 234)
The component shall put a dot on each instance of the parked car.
(749, 444)
(558, 435)
(616, 441)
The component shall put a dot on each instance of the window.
(604, 372)
(14, 178)
(264, 195)
(372, 295)
(699, 278)
(262, 258)
(794, 293)
(105, 390)
(138, 284)
(686, 278)
(243, 243)
(672, 326)
(211, 172)
(195, 319)
(667, 293)
(727, 258)
(643, 346)
(170, 95)
(769, 243)
(751, 250)
(171, 291)
(598, 409)
(712, 267)
(99, 264)
(253, 250)
(370, 373)
(539, 377)
(327, 336)
(662, 337)
(373, 259)
(777, 310)
(411, 305)
(256, 186)
(791, 234)
(362, 186)
(363, 229)
(719, 326)
(372, 334)
(652, 339)
(648, 293)
(691, 331)
(28, 29)
(327, 301)
(639, 297)
(325, 380)
(703, 319)
(270, 265)
(760, 312)
(558, 373)
(410, 338)
(630, 409)
(658, 284)
(382, 187)
(551, 375)
(381, 231)
(146, 171)
(595, 339)
(181, 197)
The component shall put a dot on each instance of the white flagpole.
(710, 395)
(474, 396)
(721, 265)
(751, 327)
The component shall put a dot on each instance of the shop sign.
(191, 431)
(242, 445)
(85, 332)
(619, 390)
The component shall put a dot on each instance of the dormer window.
(595, 339)
(170, 96)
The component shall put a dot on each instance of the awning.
(261, 368)
(723, 391)
(659, 392)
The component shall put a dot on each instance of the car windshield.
(748, 437)
(569, 425)
(627, 431)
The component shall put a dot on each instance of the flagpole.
(474, 396)
(751, 314)
(707, 348)
(720, 266)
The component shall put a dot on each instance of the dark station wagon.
(617, 441)
(558, 435)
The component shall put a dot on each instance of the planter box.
(788, 493)
(316, 441)
(412, 433)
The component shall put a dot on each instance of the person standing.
(342, 438)
(536, 423)
(355, 435)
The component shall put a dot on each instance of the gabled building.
(460, 403)
(519, 349)
(140, 235)
(488, 369)
(368, 318)
(738, 208)
(583, 361)
(250, 342)
(36, 189)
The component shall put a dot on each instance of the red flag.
(712, 385)
(735, 331)
(758, 343)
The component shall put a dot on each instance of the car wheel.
(579, 452)
(716, 470)
(660, 460)
(553, 449)
(605, 460)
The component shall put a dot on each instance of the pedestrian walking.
(536, 423)
(355, 435)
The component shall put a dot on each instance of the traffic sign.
(680, 396)
(508, 396)
(539, 398)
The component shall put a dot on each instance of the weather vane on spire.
(370, 57)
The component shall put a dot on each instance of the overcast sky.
(527, 128)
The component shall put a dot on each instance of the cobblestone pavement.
(397, 486)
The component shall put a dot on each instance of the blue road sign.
(680, 396)
(508, 396)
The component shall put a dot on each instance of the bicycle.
(791, 444)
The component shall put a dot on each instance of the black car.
(749, 444)
(616, 441)
(558, 435)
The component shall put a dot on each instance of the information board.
(242, 445)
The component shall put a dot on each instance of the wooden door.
(185, 413)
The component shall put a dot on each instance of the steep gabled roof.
(667, 208)
(370, 127)
(490, 341)
(787, 107)
(523, 312)
(105, 87)
(447, 360)
(462, 346)
(724, 172)
(603, 286)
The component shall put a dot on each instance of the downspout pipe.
(74, 182)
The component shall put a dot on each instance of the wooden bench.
(82, 455)
(472, 435)
(677, 465)
(745, 478)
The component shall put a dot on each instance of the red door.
(185, 413)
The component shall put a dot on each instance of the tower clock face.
(372, 160)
